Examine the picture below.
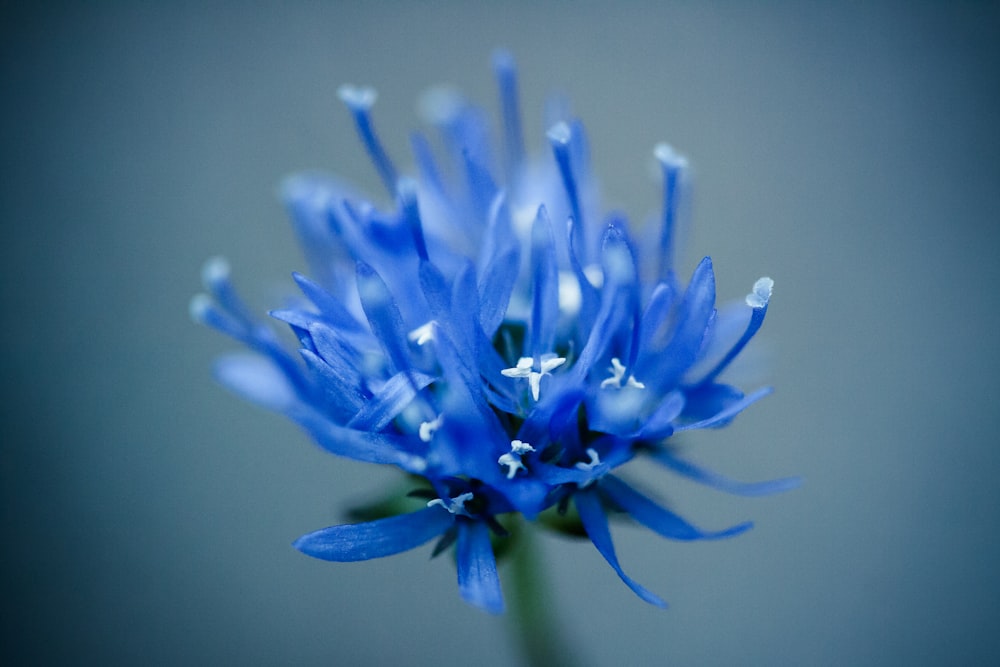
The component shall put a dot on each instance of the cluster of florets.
(509, 346)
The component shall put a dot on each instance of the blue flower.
(495, 334)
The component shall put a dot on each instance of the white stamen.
(512, 459)
(523, 369)
(427, 429)
(761, 293)
(520, 447)
(595, 460)
(453, 505)
(617, 375)
(423, 333)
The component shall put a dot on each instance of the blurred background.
(848, 150)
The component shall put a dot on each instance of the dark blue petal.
(375, 539)
(659, 519)
(720, 482)
(595, 522)
(478, 581)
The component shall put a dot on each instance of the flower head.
(494, 333)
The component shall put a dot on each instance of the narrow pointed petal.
(375, 539)
(595, 522)
(360, 101)
(720, 482)
(478, 581)
(723, 417)
(383, 316)
(398, 392)
(659, 519)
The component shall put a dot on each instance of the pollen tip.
(216, 270)
(668, 157)
(199, 306)
(559, 133)
(358, 98)
(761, 293)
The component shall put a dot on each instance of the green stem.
(531, 616)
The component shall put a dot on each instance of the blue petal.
(342, 394)
(659, 519)
(383, 316)
(723, 417)
(257, 379)
(375, 539)
(478, 581)
(506, 74)
(692, 320)
(360, 101)
(545, 283)
(595, 522)
(389, 401)
(720, 482)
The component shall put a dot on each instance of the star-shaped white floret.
(525, 369)
(512, 459)
(618, 374)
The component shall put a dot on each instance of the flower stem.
(531, 617)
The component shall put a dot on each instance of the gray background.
(847, 150)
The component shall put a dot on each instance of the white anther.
(427, 429)
(761, 293)
(525, 366)
(668, 157)
(423, 333)
(618, 374)
(595, 461)
(357, 97)
(512, 459)
(559, 133)
(454, 505)
(214, 272)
